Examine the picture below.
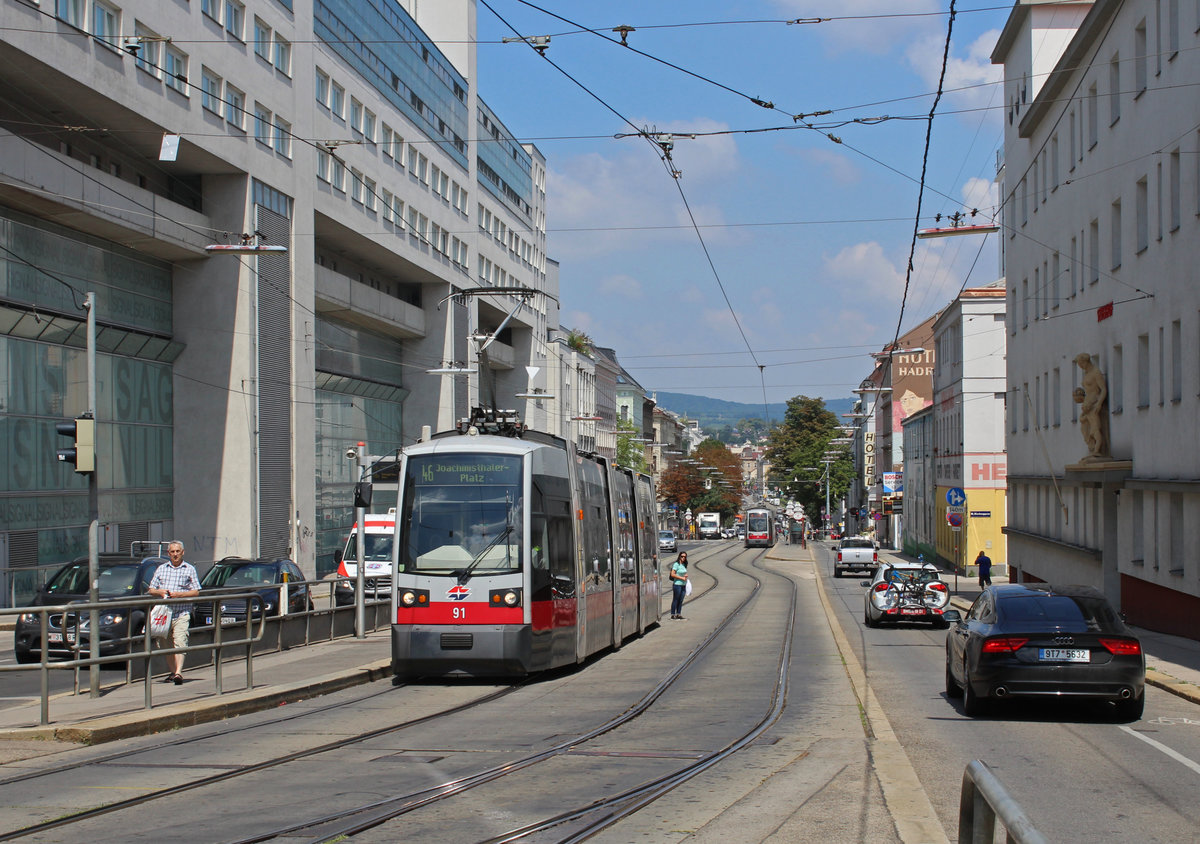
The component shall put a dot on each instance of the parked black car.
(1039, 640)
(118, 577)
(235, 574)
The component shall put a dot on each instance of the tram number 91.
(460, 613)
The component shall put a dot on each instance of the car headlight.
(511, 598)
(111, 619)
(268, 606)
(28, 618)
(408, 599)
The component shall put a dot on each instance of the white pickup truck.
(856, 552)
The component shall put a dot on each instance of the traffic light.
(82, 430)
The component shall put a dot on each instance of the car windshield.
(897, 575)
(665, 534)
(857, 543)
(461, 511)
(113, 581)
(377, 548)
(1076, 613)
(238, 574)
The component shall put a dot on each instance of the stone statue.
(1092, 398)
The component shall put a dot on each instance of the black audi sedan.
(1042, 641)
(118, 577)
(235, 574)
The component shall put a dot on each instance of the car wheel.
(973, 705)
(869, 619)
(837, 572)
(27, 657)
(941, 624)
(1132, 709)
(952, 687)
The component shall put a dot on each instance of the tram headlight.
(414, 598)
(505, 598)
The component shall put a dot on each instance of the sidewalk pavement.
(1172, 662)
(281, 677)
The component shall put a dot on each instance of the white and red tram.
(517, 554)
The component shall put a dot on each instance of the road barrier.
(982, 800)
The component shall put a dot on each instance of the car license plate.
(228, 619)
(911, 611)
(1064, 655)
(55, 638)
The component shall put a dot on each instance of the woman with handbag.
(679, 579)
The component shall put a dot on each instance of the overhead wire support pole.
(93, 511)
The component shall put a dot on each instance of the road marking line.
(1177, 756)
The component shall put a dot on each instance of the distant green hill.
(714, 413)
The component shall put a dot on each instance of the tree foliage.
(698, 486)
(796, 449)
(630, 453)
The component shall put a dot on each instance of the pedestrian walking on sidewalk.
(984, 563)
(176, 578)
(679, 577)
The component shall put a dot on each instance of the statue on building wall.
(1092, 397)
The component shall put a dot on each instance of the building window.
(210, 91)
(262, 40)
(1115, 245)
(1093, 107)
(106, 23)
(338, 175)
(385, 138)
(1114, 89)
(283, 55)
(1162, 366)
(1142, 212)
(1172, 28)
(1116, 381)
(337, 100)
(1143, 370)
(1054, 163)
(369, 193)
(1174, 191)
(1055, 290)
(398, 212)
(262, 124)
(1072, 138)
(368, 126)
(235, 107)
(177, 70)
(1024, 203)
(386, 202)
(212, 8)
(149, 50)
(323, 165)
(235, 18)
(322, 88)
(283, 137)
(356, 110)
(1094, 251)
(1139, 59)
(356, 185)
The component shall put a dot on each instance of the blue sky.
(809, 238)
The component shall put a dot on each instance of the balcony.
(360, 304)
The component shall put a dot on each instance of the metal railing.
(982, 800)
(288, 629)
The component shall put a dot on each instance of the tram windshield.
(756, 522)
(461, 514)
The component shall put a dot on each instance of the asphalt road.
(1077, 774)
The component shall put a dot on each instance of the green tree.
(697, 486)
(796, 449)
(630, 452)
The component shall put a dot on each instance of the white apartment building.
(967, 436)
(350, 132)
(1101, 194)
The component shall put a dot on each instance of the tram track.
(411, 801)
(597, 814)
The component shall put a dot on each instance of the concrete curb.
(145, 722)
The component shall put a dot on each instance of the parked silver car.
(666, 540)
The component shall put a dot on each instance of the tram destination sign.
(466, 471)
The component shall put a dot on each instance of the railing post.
(218, 609)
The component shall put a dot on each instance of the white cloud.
(971, 82)
(604, 196)
(981, 194)
(622, 286)
(835, 166)
(865, 271)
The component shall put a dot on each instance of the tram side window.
(551, 543)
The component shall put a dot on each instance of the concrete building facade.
(135, 134)
(1101, 193)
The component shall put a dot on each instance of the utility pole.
(360, 517)
(93, 510)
